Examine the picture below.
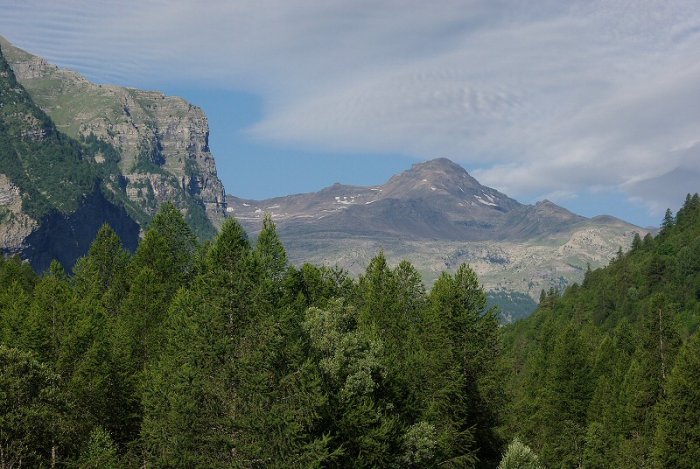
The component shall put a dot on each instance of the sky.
(594, 105)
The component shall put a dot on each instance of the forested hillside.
(222, 355)
(608, 374)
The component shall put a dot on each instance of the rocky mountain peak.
(435, 177)
(550, 209)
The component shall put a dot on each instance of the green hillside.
(50, 168)
(606, 375)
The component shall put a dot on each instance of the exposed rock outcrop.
(162, 140)
(15, 226)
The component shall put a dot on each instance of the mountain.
(51, 199)
(435, 200)
(438, 216)
(161, 141)
(77, 154)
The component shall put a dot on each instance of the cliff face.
(162, 141)
(15, 225)
(52, 197)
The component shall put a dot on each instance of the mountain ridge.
(440, 182)
(437, 216)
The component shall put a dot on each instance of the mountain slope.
(51, 200)
(435, 200)
(436, 215)
(621, 405)
(161, 141)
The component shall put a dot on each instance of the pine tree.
(230, 248)
(269, 253)
(103, 270)
(51, 315)
(470, 387)
(185, 420)
(568, 393)
(668, 222)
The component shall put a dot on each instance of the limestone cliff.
(162, 141)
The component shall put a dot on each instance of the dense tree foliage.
(599, 376)
(224, 355)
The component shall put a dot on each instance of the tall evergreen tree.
(167, 249)
(103, 270)
(185, 420)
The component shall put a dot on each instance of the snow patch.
(246, 205)
(485, 202)
(432, 188)
(230, 209)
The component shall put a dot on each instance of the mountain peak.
(444, 164)
(437, 175)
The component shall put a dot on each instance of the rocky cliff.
(162, 141)
(54, 196)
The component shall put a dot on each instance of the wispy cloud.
(552, 98)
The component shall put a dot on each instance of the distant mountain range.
(438, 216)
(75, 154)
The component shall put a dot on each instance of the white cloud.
(548, 99)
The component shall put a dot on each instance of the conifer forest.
(223, 354)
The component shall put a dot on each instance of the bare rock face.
(15, 226)
(163, 141)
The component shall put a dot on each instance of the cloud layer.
(558, 99)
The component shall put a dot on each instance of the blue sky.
(591, 104)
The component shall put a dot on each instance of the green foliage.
(519, 456)
(168, 249)
(223, 355)
(592, 369)
(32, 411)
(101, 452)
(678, 430)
